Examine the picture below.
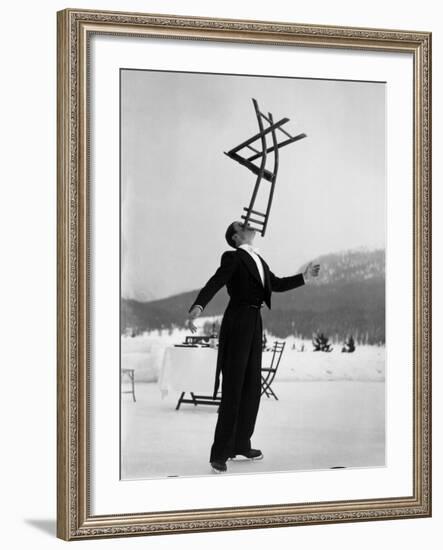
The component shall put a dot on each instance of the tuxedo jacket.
(238, 271)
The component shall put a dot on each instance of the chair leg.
(179, 401)
(265, 386)
(266, 389)
(133, 386)
(273, 393)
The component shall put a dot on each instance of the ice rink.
(317, 424)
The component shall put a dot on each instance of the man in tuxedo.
(250, 283)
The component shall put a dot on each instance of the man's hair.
(230, 232)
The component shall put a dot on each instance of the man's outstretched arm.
(281, 284)
(227, 267)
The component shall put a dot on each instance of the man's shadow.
(48, 526)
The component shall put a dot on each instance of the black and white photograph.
(252, 274)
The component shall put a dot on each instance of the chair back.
(277, 352)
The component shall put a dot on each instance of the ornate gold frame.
(74, 520)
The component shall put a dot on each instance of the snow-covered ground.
(145, 354)
(313, 425)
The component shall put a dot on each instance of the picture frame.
(76, 320)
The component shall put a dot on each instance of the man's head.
(238, 234)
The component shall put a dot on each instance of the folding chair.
(261, 218)
(130, 374)
(197, 400)
(268, 373)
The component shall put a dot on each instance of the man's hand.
(311, 271)
(193, 314)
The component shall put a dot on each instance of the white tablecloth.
(188, 369)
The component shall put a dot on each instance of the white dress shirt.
(253, 252)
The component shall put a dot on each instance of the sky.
(179, 192)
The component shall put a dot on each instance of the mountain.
(348, 297)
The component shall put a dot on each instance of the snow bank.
(367, 363)
(145, 354)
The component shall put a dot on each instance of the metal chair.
(130, 374)
(261, 218)
(268, 373)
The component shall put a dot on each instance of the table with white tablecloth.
(188, 369)
(192, 370)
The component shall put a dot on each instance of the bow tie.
(250, 248)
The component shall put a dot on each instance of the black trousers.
(239, 360)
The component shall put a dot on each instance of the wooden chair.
(268, 373)
(130, 374)
(241, 154)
